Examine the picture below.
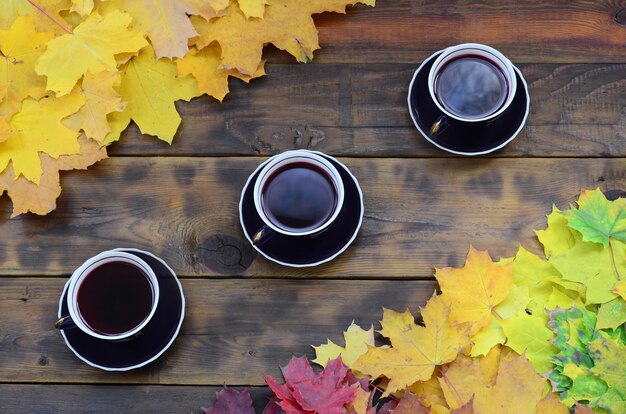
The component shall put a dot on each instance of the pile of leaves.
(74, 74)
(526, 334)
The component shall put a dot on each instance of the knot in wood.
(620, 16)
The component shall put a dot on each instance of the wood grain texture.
(527, 30)
(247, 316)
(107, 399)
(419, 213)
(361, 110)
(235, 331)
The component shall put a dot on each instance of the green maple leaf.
(585, 388)
(589, 366)
(618, 334)
(598, 219)
(613, 401)
(608, 357)
(574, 328)
(611, 314)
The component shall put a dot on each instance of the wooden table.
(247, 316)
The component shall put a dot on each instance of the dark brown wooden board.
(527, 30)
(361, 111)
(235, 330)
(419, 213)
(107, 399)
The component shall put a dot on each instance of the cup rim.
(101, 258)
(499, 56)
(306, 154)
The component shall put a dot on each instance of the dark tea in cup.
(111, 296)
(297, 193)
(299, 197)
(114, 298)
(471, 86)
(472, 83)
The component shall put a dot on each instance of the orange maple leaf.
(466, 378)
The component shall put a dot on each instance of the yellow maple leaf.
(247, 78)
(474, 291)
(82, 7)
(41, 199)
(362, 401)
(5, 130)
(429, 392)
(20, 47)
(204, 66)
(532, 271)
(509, 394)
(208, 9)
(38, 128)
(287, 25)
(416, 350)
(150, 87)
(487, 338)
(529, 335)
(620, 289)
(356, 339)
(10, 10)
(336, 6)
(101, 99)
(91, 47)
(557, 237)
(165, 22)
(459, 379)
(252, 8)
(217, 5)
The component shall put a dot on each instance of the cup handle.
(65, 322)
(440, 125)
(262, 235)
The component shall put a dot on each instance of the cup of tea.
(472, 84)
(111, 296)
(298, 193)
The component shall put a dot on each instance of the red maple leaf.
(272, 407)
(230, 401)
(306, 392)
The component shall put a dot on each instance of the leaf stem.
(613, 260)
(447, 380)
(495, 312)
(382, 391)
(49, 16)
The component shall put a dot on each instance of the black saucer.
(150, 343)
(307, 251)
(466, 139)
